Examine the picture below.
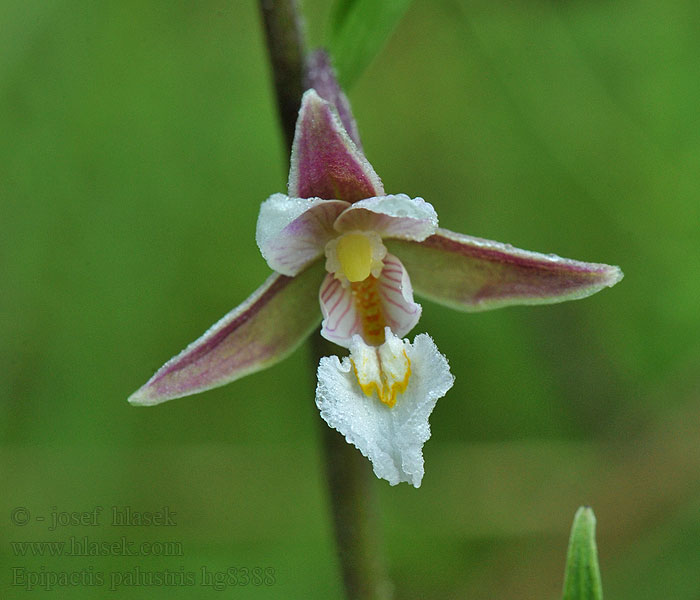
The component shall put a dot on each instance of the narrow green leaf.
(582, 577)
(359, 29)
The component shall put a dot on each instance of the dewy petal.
(263, 330)
(325, 162)
(293, 232)
(473, 274)
(342, 319)
(396, 216)
(392, 438)
(400, 311)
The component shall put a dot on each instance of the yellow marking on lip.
(369, 307)
(386, 392)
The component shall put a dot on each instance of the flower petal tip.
(163, 386)
(614, 275)
(325, 162)
(141, 397)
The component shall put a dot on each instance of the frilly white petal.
(292, 232)
(396, 216)
(392, 438)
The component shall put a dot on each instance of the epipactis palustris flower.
(338, 239)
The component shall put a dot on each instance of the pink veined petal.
(396, 293)
(325, 162)
(396, 216)
(473, 274)
(293, 232)
(263, 330)
(341, 320)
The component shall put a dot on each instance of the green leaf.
(582, 577)
(359, 29)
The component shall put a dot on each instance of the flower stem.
(354, 506)
(350, 480)
(285, 44)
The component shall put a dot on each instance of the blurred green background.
(137, 140)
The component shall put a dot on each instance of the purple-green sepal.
(473, 274)
(321, 77)
(260, 332)
(325, 162)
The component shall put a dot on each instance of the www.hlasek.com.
(86, 546)
(44, 579)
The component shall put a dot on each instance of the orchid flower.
(338, 240)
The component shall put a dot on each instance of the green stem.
(349, 475)
(355, 516)
(285, 44)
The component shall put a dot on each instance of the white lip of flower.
(391, 435)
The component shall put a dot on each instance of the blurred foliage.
(138, 139)
(359, 29)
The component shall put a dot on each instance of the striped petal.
(400, 311)
(325, 162)
(344, 316)
(293, 232)
(341, 319)
(473, 274)
(396, 216)
(263, 330)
